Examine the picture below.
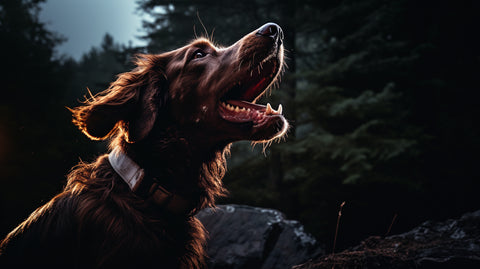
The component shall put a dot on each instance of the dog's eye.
(199, 54)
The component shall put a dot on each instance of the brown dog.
(171, 121)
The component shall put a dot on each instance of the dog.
(170, 123)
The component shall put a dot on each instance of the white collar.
(133, 175)
(128, 170)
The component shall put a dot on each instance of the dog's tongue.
(252, 92)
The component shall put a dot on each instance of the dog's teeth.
(269, 109)
(237, 109)
(248, 109)
(280, 109)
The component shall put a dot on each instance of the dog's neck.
(179, 166)
(145, 187)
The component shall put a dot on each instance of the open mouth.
(238, 104)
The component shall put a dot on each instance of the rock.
(250, 237)
(447, 244)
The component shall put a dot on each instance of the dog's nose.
(271, 30)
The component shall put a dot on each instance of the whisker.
(195, 32)
(201, 22)
(211, 35)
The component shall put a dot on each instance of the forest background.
(382, 97)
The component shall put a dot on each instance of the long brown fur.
(162, 115)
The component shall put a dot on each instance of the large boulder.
(446, 244)
(250, 237)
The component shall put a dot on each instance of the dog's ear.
(130, 104)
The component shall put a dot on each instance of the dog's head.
(200, 88)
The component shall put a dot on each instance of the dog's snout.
(271, 30)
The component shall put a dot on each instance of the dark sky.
(85, 22)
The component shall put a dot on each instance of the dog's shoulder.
(49, 229)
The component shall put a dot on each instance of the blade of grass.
(336, 233)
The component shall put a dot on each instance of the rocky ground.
(447, 244)
(249, 237)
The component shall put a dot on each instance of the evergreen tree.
(34, 123)
(28, 50)
(100, 66)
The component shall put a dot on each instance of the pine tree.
(99, 67)
(33, 120)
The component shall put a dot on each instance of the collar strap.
(146, 187)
